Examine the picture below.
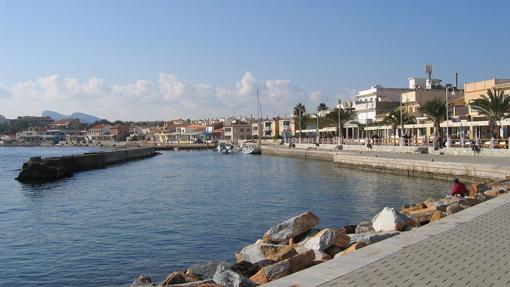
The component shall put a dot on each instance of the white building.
(375, 101)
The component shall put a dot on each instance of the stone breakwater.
(39, 169)
(296, 244)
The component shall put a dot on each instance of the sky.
(161, 60)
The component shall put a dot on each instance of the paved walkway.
(470, 248)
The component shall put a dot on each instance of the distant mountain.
(84, 118)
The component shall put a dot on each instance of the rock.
(389, 219)
(436, 216)
(291, 228)
(364, 227)
(349, 229)
(228, 278)
(454, 208)
(196, 284)
(320, 241)
(174, 278)
(261, 251)
(371, 237)
(352, 248)
(141, 281)
(482, 197)
(300, 238)
(491, 193)
(205, 270)
(284, 268)
(333, 250)
(469, 202)
(249, 269)
(473, 190)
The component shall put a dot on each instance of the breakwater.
(39, 169)
(184, 146)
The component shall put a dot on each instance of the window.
(228, 129)
(241, 130)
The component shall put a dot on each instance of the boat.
(252, 147)
(225, 148)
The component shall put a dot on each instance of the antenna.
(428, 70)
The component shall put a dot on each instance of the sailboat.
(252, 147)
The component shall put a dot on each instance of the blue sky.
(165, 59)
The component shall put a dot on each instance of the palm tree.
(435, 110)
(346, 115)
(495, 105)
(393, 119)
(322, 107)
(300, 113)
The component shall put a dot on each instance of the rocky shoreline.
(296, 244)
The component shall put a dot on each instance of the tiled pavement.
(476, 253)
(470, 248)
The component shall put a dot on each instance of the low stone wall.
(299, 153)
(423, 168)
(40, 170)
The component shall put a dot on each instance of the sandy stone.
(436, 216)
(352, 248)
(141, 281)
(174, 278)
(260, 251)
(229, 278)
(284, 268)
(371, 237)
(291, 228)
(454, 208)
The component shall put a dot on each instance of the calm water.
(105, 227)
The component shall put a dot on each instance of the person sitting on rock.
(459, 188)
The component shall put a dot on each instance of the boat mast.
(259, 114)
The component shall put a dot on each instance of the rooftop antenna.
(428, 71)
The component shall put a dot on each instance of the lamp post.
(317, 128)
(339, 120)
(448, 139)
(300, 133)
(400, 139)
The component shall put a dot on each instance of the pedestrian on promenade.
(459, 188)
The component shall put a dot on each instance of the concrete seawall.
(405, 164)
(40, 170)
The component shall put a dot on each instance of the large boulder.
(229, 278)
(389, 219)
(454, 208)
(436, 216)
(141, 281)
(469, 202)
(205, 270)
(371, 237)
(203, 283)
(364, 227)
(350, 229)
(326, 238)
(352, 248)
(284, 268)
(249, 269)
(291, 228)
(260, 251)
(179, 278)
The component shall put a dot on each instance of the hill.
(84, 118)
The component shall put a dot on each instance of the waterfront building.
(99, 133)
(65, 124)
(474, 90)
(119, 132)
(371, 103)
(32, 121)
(236, 131)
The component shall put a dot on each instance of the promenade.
(469, 248)
(413, 164)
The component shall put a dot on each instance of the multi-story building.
(33, 121)
(119, 132)
(474, 90)
(236, 131)
(376, 101)
(99, 133)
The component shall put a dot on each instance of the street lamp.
(317, 128)
(448, 139)
(339, 120)
(400, 139)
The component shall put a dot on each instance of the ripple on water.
(104, 227)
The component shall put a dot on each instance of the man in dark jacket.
(458, 188)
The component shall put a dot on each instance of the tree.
(435, 110)
(346, 115)
(495, 105)
(322, 107)
(302, 117)
(393, 119)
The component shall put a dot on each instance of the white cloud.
(168, 97)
